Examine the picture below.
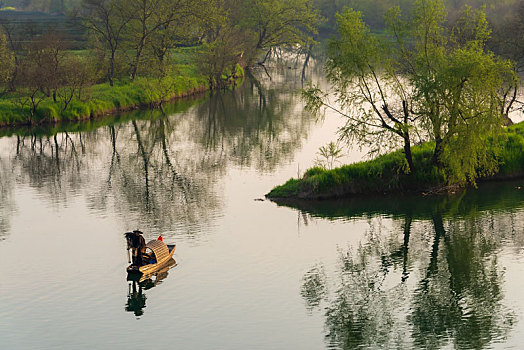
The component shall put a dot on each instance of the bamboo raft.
(158, 254)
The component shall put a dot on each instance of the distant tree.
(74, 76)
(279, 23)
(29, 93)
(13, 37)
(156, 25)
(107, 21)
(220, 57)
(170, 34)
(508, 35)
(425, 79)
(47, 54)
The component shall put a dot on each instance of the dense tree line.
(129, 39)
(373, 11)
(504, 17)
(135, 38)
(48, 6)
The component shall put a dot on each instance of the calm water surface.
(398, 272)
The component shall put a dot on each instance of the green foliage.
(183, 79)
(387, 173)
(458, 90)
(424, 80)
(288, 190)
(278, 23)
(329, 155)
(219, 59)
(368, 88)
(7, 59)
(510, 153)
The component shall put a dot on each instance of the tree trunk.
(261, 63)
(436, 160)
(407, 153)
(137, 57)
(112, 68)
(440, 232)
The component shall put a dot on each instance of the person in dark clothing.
(137, 243)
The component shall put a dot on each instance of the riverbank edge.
(120, 98)
(385, 175)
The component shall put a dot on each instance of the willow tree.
(369, 88)
(460, 87)
(154, 23)
(424, 78)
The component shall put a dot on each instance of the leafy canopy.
(426, 79)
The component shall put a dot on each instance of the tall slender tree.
(107, 21)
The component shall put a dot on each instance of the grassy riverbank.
(386, 173)
(51, 129)
(102, 99)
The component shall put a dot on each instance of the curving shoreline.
(105, 100)
(385, 174)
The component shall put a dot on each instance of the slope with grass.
(184, 80)
(386, 173)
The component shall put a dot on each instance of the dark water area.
(405, 272)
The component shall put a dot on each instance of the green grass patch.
(387, 173)
(511, 157)
(185, 78)
(90, 125)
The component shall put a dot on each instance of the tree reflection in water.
(314, 288)
(161, 172)
(255, 126)
(460, 294)
(426, 279)
(7, 204)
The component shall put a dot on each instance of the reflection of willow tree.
(150, 175)
(364, 311)
(460, 293)
(257, 125)
(7, 205)
(132, 166)
(438, 280)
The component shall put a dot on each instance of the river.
(396, 272)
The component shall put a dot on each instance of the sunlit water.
(396, 272)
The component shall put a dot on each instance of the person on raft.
(137, 243)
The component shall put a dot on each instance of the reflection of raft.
(157, 255)
(150, 280)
